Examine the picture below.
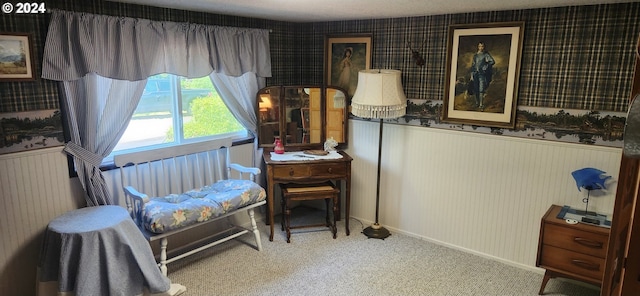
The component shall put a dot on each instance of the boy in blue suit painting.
(481, 73)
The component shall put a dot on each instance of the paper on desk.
(300, 155)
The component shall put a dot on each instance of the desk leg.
(347, 202)
(270, 199)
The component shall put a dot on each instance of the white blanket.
(300, 155)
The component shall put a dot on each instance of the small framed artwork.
(22, 131)
(16, 58)
(483, 65)
(345, 56)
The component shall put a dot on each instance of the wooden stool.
(299, 192)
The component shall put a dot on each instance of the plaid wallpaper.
(579, 57)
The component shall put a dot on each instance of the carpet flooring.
(316, 264)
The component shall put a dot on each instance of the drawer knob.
(587, 242)
(291, 172)
(585, 264)
(330, 170)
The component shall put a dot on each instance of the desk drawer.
(572, 262)
(576, 240)
(291, 171)
(320, 171)
(328, 170)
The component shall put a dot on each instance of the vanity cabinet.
(302, 117)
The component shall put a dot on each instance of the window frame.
(239, 138)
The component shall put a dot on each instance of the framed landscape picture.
(16, 59)
(22, 131)
(483, 65)
(345, 56)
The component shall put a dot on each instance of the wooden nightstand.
(575, 251)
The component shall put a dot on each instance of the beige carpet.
(315, 264)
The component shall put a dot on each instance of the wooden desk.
(308, 171)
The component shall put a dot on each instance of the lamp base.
(376, 231)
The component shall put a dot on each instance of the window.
(175, 110)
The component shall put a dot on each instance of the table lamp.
(379, 95)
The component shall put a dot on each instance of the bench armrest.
(135, 203)
(252, 171)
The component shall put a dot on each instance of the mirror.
(268, 114)
(301, 116)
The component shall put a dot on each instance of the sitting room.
(446, 148)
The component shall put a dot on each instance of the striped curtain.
(103, 63)
(239, 95)
(98, 110)
(134, 49)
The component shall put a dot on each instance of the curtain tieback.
(83, 154)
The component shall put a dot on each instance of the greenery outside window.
(174, 110)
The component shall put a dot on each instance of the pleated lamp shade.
(379, 95)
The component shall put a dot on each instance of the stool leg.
(287, 219)
(282, 215)
(336, 214)
(326, 218)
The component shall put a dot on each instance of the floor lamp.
(379, 95)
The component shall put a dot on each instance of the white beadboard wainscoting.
(479, 193)
(483, 194)
(34, 188)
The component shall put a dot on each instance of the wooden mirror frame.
(276, 107)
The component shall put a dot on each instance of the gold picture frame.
(342, 70)
(16, 57)
(483, 65)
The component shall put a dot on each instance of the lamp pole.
(376, 230)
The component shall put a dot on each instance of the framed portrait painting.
(345, 56)
(483, 65)
(16, 59)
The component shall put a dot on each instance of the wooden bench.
(189, 186)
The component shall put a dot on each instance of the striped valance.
(133, 49)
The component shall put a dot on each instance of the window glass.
(155, 123)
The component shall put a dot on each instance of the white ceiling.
(335, 10)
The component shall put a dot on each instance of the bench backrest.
(163, 171)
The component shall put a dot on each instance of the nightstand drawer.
(576, 240)
(572, 262)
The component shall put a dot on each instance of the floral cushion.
(162, 214)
